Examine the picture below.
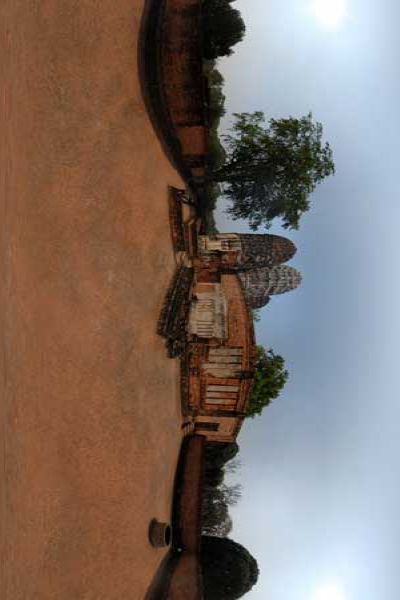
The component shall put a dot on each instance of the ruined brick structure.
(233, 273)
(182, 71)
(261, 283)
(221, 355)
(173, 85)
(206, 318)
(244, 251)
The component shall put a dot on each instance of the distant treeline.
(267, 169)
(229, 570)
(223, 28)
(217, 496)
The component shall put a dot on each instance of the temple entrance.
(208, 313)
(222, 242)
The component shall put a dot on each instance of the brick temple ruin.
(208, 315)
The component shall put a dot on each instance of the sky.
(320, 467)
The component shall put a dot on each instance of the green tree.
(216, 94)
(215, 503)
(270, 378)
(214, 477)
(219, 453)
(229, 570)
(270, 171)
(215, 517)
(223, 27)
(216, 110)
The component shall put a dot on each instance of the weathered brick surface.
(182, 80)
(208, 366)
(240, 326)
(186, 579)
(179, 577)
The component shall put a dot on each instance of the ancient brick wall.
(173, 85)
(189, 503)
(220, 372)
(186, 583)
(179, 576)
(183, 82)
(239, 322)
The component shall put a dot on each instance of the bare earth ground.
(90, 412)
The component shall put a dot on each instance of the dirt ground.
(90, 411)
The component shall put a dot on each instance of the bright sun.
(330, 12)
(329, 592)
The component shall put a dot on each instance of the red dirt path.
(90, 411)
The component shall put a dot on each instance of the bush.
(218, 454)
(223, 27)
(229, 570)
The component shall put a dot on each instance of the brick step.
(173, 320)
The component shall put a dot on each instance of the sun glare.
(329, 592)
(330, 12)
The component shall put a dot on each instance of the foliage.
(231, 494)
(233, 466)
(215, 515)
(270, 378)
(209, 220)
(218, 454)
(270, 171)
(215, 504)
(216, 151)
(217, 496)
(229, 570)
(216, 95)
(214, 477)
(223, 27)
(216, 110)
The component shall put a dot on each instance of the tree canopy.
(216, 110)
(270, 378)
(271, 170)
(215, 507)
(216, 94)
(223, 27)
(219, 453)
(217, 496)
(229, 570)
(215, 512)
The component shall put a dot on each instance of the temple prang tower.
(256, 259)
(244, 251)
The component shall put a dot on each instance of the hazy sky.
(320, 467)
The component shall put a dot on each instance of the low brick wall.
(187, 504)
(183, 81)
(186, 581)
(179, 577)
(175, 90)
